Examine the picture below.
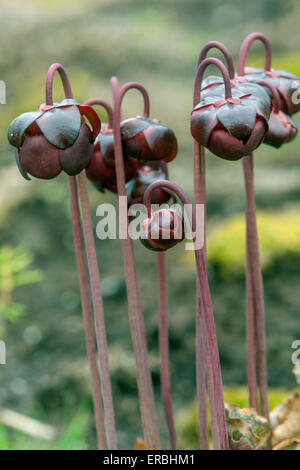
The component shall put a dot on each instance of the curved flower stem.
(199, 77)
(164, 349)
(106, 106)
(81, 266)
(251, 323)
(202, 361)
(202, 355)
(214, 376)
(254, 276)
(56, 67)
(245, 48)
(87, 315)
(217, 45)
(144, 381)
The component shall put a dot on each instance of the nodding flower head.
(286, 83)
(213, 85)
(163, 230)
(233, 125)
(147, 174)
(281, 128)
(106, 142)
(147, 139)
(101, 169)
(54, 138)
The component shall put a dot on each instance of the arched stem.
(254, 331)
(137, 86)
(245, 49)
(254, 276)
(254, 284)
(87, 315)
(217, 45)
(144, 381)
(252, 335)
(274, 92)
(106, 106)
(202, 360)
(214, 376)
(64, 78)
(111, 441)
(164, 349)
(199, 77)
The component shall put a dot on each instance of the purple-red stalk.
(245, 49)
(251, 336)
(214, 378)
(200, 198)
(201, 346)
(144, 380)
(111, 441)
(251, 322)
(164, 349)
(87, 315)
(254, 281)
(255, 275)
(98, 313)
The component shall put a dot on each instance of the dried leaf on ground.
(247, 430)
(285, 420)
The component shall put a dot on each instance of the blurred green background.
(156, 43)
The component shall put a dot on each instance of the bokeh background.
(157, 43)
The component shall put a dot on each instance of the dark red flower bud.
(286, 83)
(147, 139)
(106, 142)
(213, 85)
(101, 169)
(53, 139)
(232, 127)
(163, 230)
(281, 130)
(145, 176)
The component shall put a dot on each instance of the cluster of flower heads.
(254, 108)
(101, 169)
(147, 146)
(234, 115)
(69, 137)
(57, 137)
(148, 173)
